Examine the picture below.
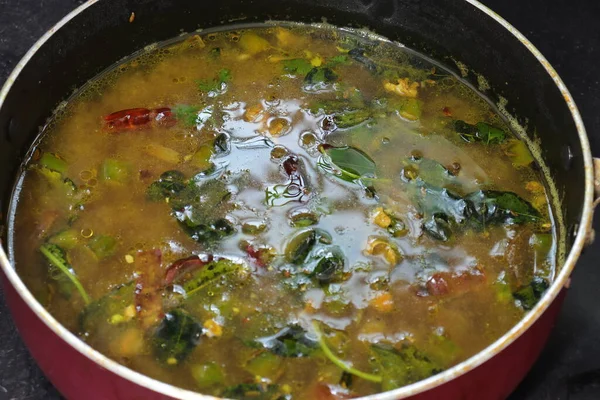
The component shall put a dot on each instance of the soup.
(283, 212)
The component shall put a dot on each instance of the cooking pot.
(464, 35)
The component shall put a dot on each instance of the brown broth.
(446, 300)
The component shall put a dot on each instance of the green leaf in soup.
(176, 336)
(493, 206)
(347, 163)
(320, 75)
(529, 295)
(186, 114)
(481, 132)
(401, 367)
(62, 272)
(208, 274)
(300, 245)
(291, 341)
(330, 266)
(102, 311)
(300, 66)
(350, 118)
(255, 391)
(169, 184)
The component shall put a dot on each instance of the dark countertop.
(566, 32)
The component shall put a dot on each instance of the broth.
(290, 212)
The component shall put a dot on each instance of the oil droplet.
(385, 140)
(87, 233)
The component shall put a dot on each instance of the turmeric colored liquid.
(352, 218)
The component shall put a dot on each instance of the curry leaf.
(481, 132)
(216, 85)
(347, 163)
(176, 336)
(496, 206)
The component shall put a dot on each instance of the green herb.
(207, 274)
(350, 118)
(334, 61)
(321, 75)
(298, 66)
(176, 336)
(481, 132)
(102, 311)
(169, 184)
(401, 367)
(186, 114)
(342, 364)
(330, 266)
(216, 85)
(492, 206)
(347, 163)
(529, 295)
(61, 270)
(291, 341)
(302, 243)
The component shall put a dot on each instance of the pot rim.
(471, 363)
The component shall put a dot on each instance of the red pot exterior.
(78, 377)
(72, 373)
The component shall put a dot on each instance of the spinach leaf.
(62, 272)
(320, 75)
(300, 66)
(255, 391)
(291, 341)
(401, 367)
(481, 132)
(529, 295)
(176, 336)
(104, 310)
(492, 206)
(330, 266)
(347, 163)
(198, 206)
(170, 183)
(350, 118)
(302, 243)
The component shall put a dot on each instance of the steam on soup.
(283, 212)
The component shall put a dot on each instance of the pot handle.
(591, 234)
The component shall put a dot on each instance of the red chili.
(135, 118)
(184, 265)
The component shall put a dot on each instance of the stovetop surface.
(567, 32)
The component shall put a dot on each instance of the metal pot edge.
(584, 232)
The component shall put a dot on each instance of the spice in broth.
(283, 212)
